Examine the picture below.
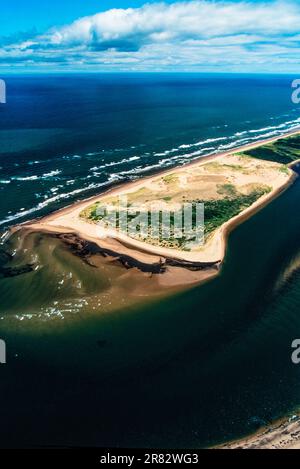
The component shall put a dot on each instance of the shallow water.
(188, 370)
(55, 280)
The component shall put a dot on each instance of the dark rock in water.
(4, 257)
(6, 271)
(194, 266)
(85, 249)
(14, 271)
(79, 246)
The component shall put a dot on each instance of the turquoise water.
(191, 370)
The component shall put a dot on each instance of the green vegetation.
(90, 213)
(170, 178)
(227, 190)
(214, 185)
(283, 151)
(235, 167)
(93, 214)
(284, 169)
(217, 212)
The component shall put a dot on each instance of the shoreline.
(66, 220)
(283, 433)
(179, 272)
(115, 188)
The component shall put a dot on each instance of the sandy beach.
(209, 258)
(284, 434)
(181, 269)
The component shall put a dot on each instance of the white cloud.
(185, 35)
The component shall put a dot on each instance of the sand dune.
(213, 251)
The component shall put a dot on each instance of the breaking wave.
(149, 161)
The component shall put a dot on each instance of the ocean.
(67, 137)
(193, 369)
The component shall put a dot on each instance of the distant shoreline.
(67, 220)
(282, 434)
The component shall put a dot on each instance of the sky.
(131, 35)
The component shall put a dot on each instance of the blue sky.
(26, 15)
(129, 35)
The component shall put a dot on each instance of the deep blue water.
(70, 136)
(199, 367)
